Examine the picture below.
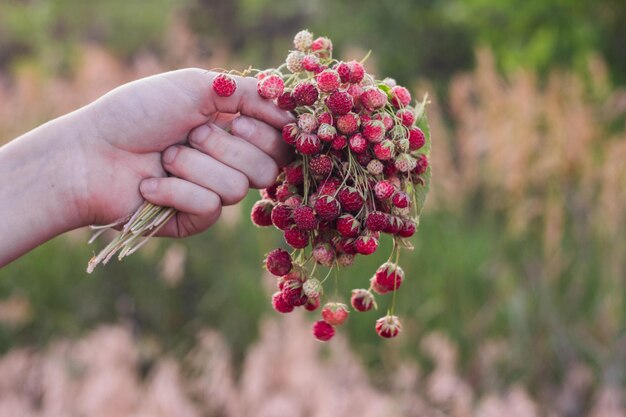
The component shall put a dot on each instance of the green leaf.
(386, 89)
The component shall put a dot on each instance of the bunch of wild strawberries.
(361, 170)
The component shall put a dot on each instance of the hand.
(174, 123)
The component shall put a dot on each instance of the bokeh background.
(514, 301)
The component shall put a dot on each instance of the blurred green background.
(522, 241)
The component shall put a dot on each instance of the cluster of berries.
(361, 170)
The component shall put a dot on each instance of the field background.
(514, 302)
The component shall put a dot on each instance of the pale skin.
(168, 139)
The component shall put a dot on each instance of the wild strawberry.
(373, 98)
(339, 143)
(308, 143)
(269, 193)
(356, 72)
(388, 326)
(325, 117)
(422, 165)
(348, 124)
(284, 191)
(348, 226)
(224, 85)
(389, 276)
(305, 93)
(326, 132)
(383, 189)
(345, 259)
(407, 116)
(377, 288)
(339, 103)
(362, 300)
(393, 225)
(417, 139)
(271, 87)
(312, 288)
(364, 158)
(305, 219)
(346, 246)
(311, 63)
(322, 46)
(327, 81)
(405, 162)
(375, 167)
(294, 61)
(400, 97)
(261, 214)
(351, 199)
(329, 186)
(384, 150)
(357, 143)
(335, 314)
(373, 130)
(386, 119)
(307, 122)
(278, 262)
(293, 173)
(279, 304)
(366, 245)
(377, 221)
(286, 101)
(303, 40)
(290, 133)
(408, 229)
(324, 254)
(390, 170)
(293, 201)
(343, 69)
(400, 199)
(293, 294)
(323, 331)
(312, 304)
(282, 216)
(321, 165)
(296, 238)
(327, 207)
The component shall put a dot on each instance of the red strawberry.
(348, 123)
(348, 226)
(383, 189)
(326, 132)
(305, 219)
(324, 254)
(393, 225)
(373, 98)
(407, 116)
(271, 87)
(293, 173)
(357, 72)
(308, 143)
(261, 214)
(279, 304)
(296, 238)
(311, 63)
(377, 288)
(384, 150)
(312, 303)
(339, 143)
(366, 245)
(346, 246)
(278, 262)
(388, 326)
(323, 331)
(327, 207)
(373, 130)
(329, 186)
(357, 143)
(343, 70)
(305, 94)
(325, 117)
(284, 191)
(290, 133)
(386, 119)
(362, 300)
(339, 103)
(328, 81)
(422, 165)
(293, 294)
(321, 165)
(282, 216)
(286, 101)
(417, 139)
(389, 276)
(363, 158)
(377, 221)
(351, 199)
(307, 122)
(335, 314)
(224, 85)
(322, 47)
(408, 229)
(400, 96)
(400, 199)
(293, 201)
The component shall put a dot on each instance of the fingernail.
(148, 186)
(243, 126)
(170, 154)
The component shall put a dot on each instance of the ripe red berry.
(389, 276)
(417, 139)
(325, 117)
(224, 85)
(326, 132)
(357, 143)
(384, 150)
(348, 226)
(286, 101)
(312, 303)
(261, 213)
(304, 217)
(279, 304)
(339, 103)
(373, 98)
(407, 116)
(308, 143)
(321, 165)
(373, 130)
(408, 229)
(351, 199)
(293, 294)
(393, 225)
(377, 288)
(296, 238)
(270, 87)
(328, 81)
(294, 174)
(322, 46)
(377, 221)
(400, 96)
(388, 326)
(324, 254)
(357, 72)
(323, 331)
(335, 314)
(400, 199)
(305, 94)
(339, 143)
(383, 189)
(284, 191)
(282, 216)
(278, 262)
(327, 207)
(290, 133)
(311, 63)
(362, 300)
(386, 119)
(348, 123)
(422, 165)
(366, 245)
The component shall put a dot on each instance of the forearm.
(37, 197)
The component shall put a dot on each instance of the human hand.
(174, 123)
